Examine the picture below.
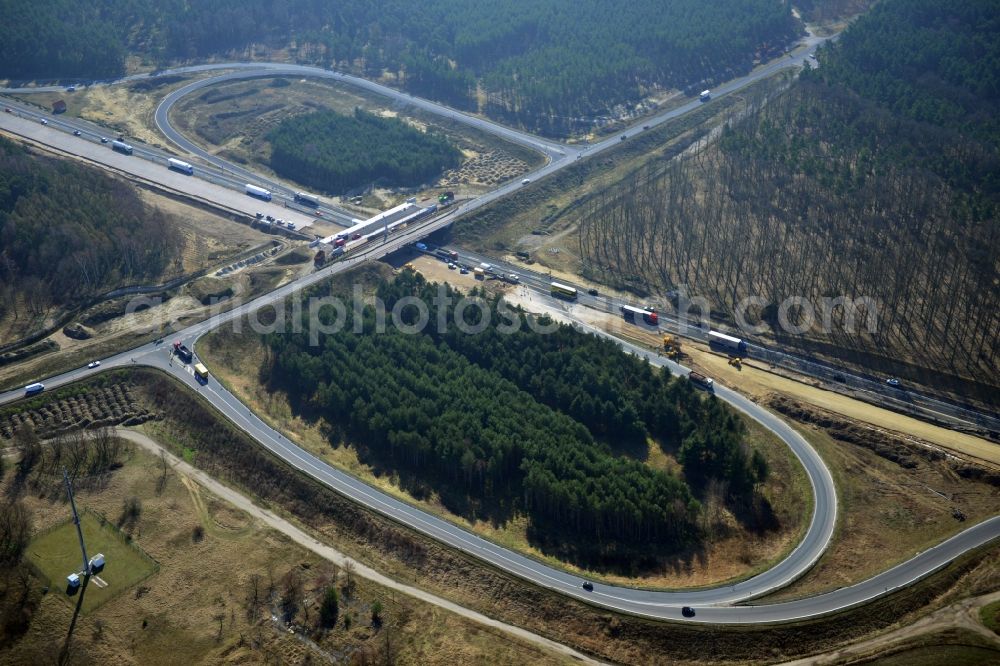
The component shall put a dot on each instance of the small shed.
(97, 563)
(59, 106)
(73, 580)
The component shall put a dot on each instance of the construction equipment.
(736, 362)
(672, 347)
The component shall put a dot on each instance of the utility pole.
(76, 521)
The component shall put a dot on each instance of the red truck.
(183, 352)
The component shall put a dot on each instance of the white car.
(94, 364)
(525, 181)
(44, 121)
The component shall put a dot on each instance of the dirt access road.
(300, 537)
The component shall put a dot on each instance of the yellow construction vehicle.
(736, 362)
(672, 346)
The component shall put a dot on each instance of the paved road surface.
(711, 603)
(331, 554)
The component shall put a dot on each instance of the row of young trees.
(464, 415)
(841, 186)
(68, 232)
(540, 61)
(332, 152)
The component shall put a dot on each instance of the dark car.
(893, 382)
(588, 586)
(839, 378)
(104, 139)
(592, 292)
(77, 132)
(687, 611)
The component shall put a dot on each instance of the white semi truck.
(121, 147)
(180, 165)
(727, 342)
(258, 192)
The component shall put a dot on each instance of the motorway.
(868, 387)
(714, 605)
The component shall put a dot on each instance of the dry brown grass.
(887, 513)
(194, 610)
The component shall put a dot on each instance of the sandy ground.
(758, 383)
(300, 537)
(754, 381)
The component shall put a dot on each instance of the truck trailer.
(700, 380)
(307, 199)
(635, 315)
(183, 352)
(121, 147)
(180, 165)
(258, 192)
(727, 342)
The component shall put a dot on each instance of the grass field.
(56, 553)
(934, 655)
(195, 609)
(990, 615)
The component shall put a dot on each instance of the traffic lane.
(162, 119)
(552, 149)
(876, 390)
(660, 604)
(156, 172)
(571, 588)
